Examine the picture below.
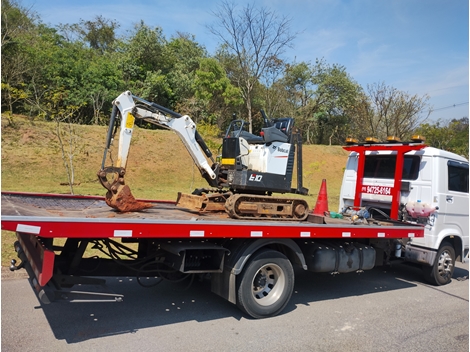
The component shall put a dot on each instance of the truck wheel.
(265, 285)
(443, 269)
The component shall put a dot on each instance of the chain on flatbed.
(254, 207)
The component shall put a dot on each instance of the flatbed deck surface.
(92, 207)
(52, 215)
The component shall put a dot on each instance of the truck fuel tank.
(345, 257)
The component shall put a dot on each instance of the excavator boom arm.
(119, 195)
(183, 125)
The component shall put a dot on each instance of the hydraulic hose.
(109, 136)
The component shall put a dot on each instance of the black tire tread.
(244, 300)
(431, 274)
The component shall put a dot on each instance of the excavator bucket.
(124, 201)
(119, 195)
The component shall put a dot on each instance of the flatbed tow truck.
(250, 262)
(236, 233)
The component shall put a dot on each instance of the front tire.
(441, 272)
(265, 285)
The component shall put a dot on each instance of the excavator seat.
(272, 134)
(251, 138)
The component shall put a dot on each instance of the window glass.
(383, 166)
(457, 176)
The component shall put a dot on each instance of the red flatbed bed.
(71, 216)
(175, 244)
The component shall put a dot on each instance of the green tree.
(66, 63)
(142, 63)
(335, 93)
(299, 85)
(215, 92)
(102, 82)
(99, 34)
(100, 79)
(451, 135)
(320, 96)
(182, 56)
(18, 30)
(16, 21)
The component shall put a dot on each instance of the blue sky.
(417, 46)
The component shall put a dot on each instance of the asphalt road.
(379, 310)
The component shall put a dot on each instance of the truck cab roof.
(428, 151)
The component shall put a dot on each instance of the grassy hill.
(158, 166)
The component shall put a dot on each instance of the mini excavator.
(241, 180)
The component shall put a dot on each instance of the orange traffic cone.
(322, 201)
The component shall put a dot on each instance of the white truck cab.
(433, 192)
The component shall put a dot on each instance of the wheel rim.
(445, 265)
(268, 284)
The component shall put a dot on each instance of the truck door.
(456, 197)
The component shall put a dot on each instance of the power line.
(451, 87)
(448, 107)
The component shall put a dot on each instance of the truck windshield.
(383, 166)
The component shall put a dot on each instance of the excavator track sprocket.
(255, 207)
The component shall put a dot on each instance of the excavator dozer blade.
(123, 200)
(190, 201)
(203, 202)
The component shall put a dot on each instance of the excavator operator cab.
(261, 164)
(278, 130)
(236, 129)
(243, 150)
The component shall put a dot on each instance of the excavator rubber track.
(256, 207)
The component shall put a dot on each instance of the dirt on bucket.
(124, 201)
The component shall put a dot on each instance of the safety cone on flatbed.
(322, 201)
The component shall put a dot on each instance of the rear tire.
(265, 285)
(441, 272)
